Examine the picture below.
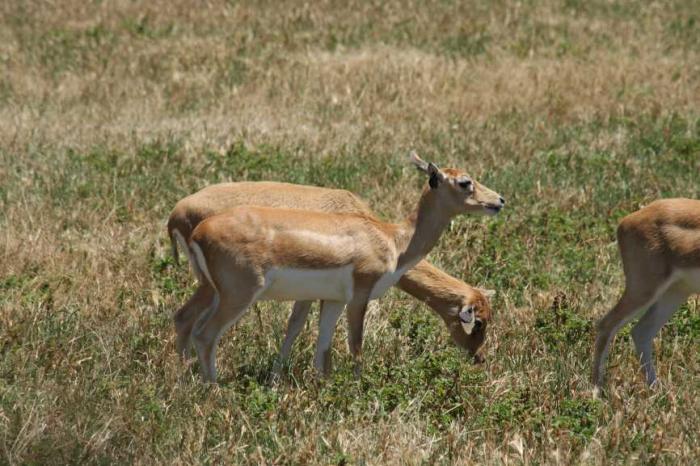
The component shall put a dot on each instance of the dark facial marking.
(434, 181)
(465, 184)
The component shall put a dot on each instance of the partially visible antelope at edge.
(465, 310)
(660, 249)
(254, 253)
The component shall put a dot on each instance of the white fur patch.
(199, 262)
(467, 319)
(468, 328)
(180, 239)
(286, 284)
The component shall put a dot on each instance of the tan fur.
(214, 199)
(241, 247)
(443, 293)
(660, 247)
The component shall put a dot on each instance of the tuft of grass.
(560, 327)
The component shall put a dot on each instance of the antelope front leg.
(356, 320)
(629, 304)
(330, 313)
(300, 312)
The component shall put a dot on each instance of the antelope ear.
(436, 176)
(487, 292)
(420, 164)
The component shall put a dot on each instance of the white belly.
(287, 284)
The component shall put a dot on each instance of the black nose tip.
(503, 201)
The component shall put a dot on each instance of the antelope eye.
(465, 184)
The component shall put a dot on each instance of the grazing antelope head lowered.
(474, 316)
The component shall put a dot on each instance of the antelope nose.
(503, 201)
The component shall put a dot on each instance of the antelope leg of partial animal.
(649, 325)
(629, 305)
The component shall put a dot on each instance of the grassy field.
(577, 112)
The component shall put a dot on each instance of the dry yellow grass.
(577, 112)
(85, 73)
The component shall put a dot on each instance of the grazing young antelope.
(660, 249)
(259, 253)
(452, 299)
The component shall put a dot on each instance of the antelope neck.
(417, 235)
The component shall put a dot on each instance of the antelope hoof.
(277, 368)
(597, 392)
(655, 385)
(323, 364)
(357, 371)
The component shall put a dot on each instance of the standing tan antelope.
(660, 249)
(259, 253)
(452, 299)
